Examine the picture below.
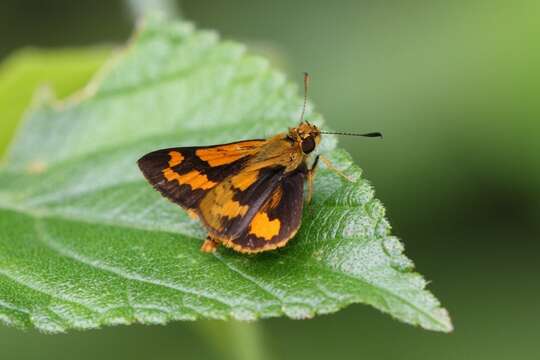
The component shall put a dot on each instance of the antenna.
(306, 82)
(371, 134)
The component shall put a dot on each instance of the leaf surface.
(86, 242)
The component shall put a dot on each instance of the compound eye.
(308, 144)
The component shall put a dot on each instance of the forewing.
(277, 220)
(184, 175)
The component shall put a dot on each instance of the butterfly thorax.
(287, 149)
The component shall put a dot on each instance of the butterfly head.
(307, 135)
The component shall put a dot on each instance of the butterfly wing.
(275, 221)
(251, 206)
(227, 210)
(185, 175)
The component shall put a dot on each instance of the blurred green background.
(454, 86)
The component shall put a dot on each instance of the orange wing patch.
(276, 198)
(218, 204)
(194, 178)
(263, 227)
(244, 179)
(231, 209)
(176, 158)
(229, 153)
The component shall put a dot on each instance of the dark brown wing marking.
(183, 177)
(278, 220)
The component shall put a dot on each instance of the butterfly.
(248, 194)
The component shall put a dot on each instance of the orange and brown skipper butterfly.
(249, 194)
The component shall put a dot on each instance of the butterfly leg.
(310, 177)
(331, 166)
(209, 245)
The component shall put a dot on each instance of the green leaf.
(63, 71)
(86, 242)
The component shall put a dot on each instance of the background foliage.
(453, 85)
(58, 72)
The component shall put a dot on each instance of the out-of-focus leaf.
(62, 71)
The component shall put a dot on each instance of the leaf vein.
(122, 273)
